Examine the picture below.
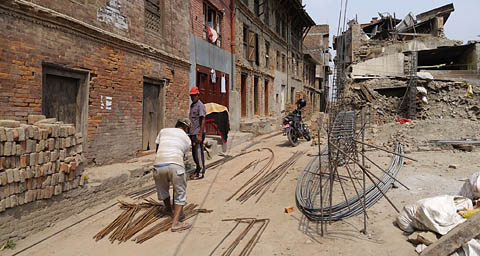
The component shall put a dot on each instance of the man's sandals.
(182, 226)
(197, 176)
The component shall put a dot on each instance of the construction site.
(389, 165)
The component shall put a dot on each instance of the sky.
(463, 24)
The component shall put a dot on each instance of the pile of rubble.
(38, 160)
(445, 100)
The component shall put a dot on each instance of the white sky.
(463, 23)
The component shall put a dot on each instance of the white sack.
(471, 187)
(437, 214)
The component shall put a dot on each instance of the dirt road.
(287, 234)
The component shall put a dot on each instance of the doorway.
(283, 97)
(152, 120)
(266, 95)
(60, 97)
(213, 90)
(256, 102)
(243, 91)
(65, 96)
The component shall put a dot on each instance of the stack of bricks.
(38, 160)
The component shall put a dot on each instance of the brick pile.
(38, 160)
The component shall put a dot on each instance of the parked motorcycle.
(293, 126)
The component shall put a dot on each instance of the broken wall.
(446, 100)
(384, 66)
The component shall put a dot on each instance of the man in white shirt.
(172, 146)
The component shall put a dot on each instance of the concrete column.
(438, 27)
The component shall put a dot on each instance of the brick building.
(269, 57)
(117, 69)
(316, 44)
(212, 52)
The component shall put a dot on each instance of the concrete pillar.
(438, 27)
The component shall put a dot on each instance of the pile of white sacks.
(440, 214)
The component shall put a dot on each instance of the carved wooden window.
(154, 16)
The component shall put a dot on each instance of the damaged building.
(390, 58)
(269, 60)
(316, 44)
(115, 69)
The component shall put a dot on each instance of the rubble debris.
(445, 100)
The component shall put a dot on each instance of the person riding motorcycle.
(297, 124)
(301, 103)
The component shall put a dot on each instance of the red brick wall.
(196, 12)
(175, 20)
(112, 135)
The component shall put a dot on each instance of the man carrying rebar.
(172, 146)
(197, 132)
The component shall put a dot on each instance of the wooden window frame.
(267, 54)
(217, 22)
(155, 8)
(278, 61)
(256, 7)
(250, 44)
(266, 10)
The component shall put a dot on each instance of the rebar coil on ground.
(308, 188)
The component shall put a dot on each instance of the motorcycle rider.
(300, 104)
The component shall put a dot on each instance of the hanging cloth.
(214, 76)
(223, 88)
(212, 35)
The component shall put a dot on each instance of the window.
(292, 95)
(277, 23)
(245, 40)
(257, 53)
(250, 44)
(296, 67)
(245, 2)
(256, 7)
(283, 62)
(266, 15)
(278, 60)
(153, 16)
(212, 18)
(267, 54)
(296, 38)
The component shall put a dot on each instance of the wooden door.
(266, 98)
(244, 95)
(209, 91)
(60, 98)
(256, 92)
(151, 115)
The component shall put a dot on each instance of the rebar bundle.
(125, 226)
(265, 178)
(251, 222)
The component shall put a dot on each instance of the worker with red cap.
(197, 132)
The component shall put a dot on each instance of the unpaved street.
(287, 234)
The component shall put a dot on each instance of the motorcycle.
(294, 128)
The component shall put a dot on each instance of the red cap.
(194, 91)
